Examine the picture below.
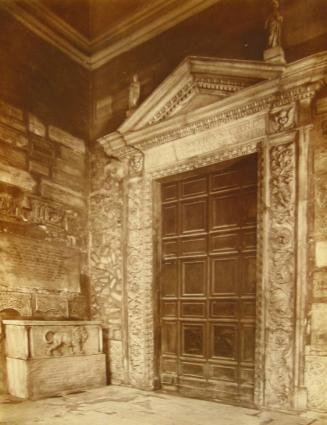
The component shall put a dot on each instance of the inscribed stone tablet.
(31, 263)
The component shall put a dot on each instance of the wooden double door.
(207, 277)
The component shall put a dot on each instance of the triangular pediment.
(196, 83)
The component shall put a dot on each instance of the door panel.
(208, 282)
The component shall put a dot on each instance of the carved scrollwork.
(282, 179)
(281, 276)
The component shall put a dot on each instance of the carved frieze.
(287, 97)
(16, 301)
(280, 296)
(60, 224)
(69, 341)
(177, 101)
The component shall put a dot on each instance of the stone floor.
(125, 406)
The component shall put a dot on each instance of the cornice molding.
(92, 54)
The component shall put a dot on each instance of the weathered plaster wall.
(42, 220)
(316, 350)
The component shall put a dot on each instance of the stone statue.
(274, 26)
(134, 92)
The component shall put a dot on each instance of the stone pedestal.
(274, 55)
(47, 358)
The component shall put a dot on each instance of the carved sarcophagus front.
(46, 358)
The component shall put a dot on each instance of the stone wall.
(42, 220)
(316, 349)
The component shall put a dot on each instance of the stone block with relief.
(47, 358)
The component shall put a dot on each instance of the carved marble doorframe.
(275, 122)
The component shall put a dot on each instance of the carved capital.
(281, 119)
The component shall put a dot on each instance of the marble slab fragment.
(61, 194)
(58, 135)
(320, 284)
(78, 307)
(13, 137)
(32, 263)
(37, 378)
(321, 254)
(51, 305)
(72, 157)
(13, 157)
(319, 327)
(11, 111)
(36, 126)
(39, 168)
(16, 177)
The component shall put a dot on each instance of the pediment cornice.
(292, 83)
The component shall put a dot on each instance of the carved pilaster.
(106, 252)
(139, 282)
(281, 276)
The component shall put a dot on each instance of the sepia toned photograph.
(163, 212)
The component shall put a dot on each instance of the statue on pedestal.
(274, 26)
(274, 52)
(134, 93)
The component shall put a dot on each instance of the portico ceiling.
(92, 32)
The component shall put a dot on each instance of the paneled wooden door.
(208, 282)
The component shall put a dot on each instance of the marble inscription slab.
(30, 263)
(202, 143)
